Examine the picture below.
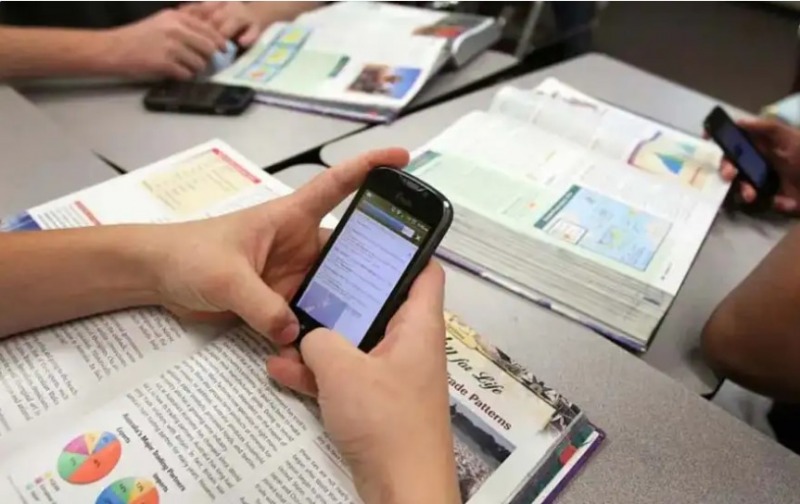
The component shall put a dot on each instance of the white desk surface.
(110, 119)
(733, 248)
(40, 160)
(665, 444)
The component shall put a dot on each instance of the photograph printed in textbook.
(479, 449)
(385, 80)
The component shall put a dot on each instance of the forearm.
(270, 12)
(39, 52)
(753, 337)
(53, 276)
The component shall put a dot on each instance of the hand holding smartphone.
(740, 150)
(386, 237)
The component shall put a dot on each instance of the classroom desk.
(450, 81)
(665, 444)
(735, 245)
(110, 119)
(40, 160)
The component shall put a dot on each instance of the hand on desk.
(171, 44)
(780, 145)
(233, 20)
(386, 411)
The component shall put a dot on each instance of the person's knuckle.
(169, 50)
(172, 30)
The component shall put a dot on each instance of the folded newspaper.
(137, 407)
(359, 60)
(587, 209)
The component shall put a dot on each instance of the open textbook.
(582, 207)
(137, 407)
(359, 60)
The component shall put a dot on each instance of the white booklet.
(357, 60)
(587, 209)
(137, 407)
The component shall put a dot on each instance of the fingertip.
(288, 334)
(291, 374)
(181, 74)
(249, 37)
(428, 289)
(745, 122)
(785, 204)
(400, 156)
(748, 193)
(312, 340)
(321, 347)
(396, 157)
(727, 174)
(435, 270)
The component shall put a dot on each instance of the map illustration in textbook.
(605, 226)
(89, 457)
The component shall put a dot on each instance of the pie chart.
(129, 491)
(89, 457)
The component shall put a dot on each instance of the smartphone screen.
(363, 266)
(743, 153)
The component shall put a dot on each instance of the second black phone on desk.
(199, 98)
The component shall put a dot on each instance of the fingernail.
(288, 334)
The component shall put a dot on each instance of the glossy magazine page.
(515, 437)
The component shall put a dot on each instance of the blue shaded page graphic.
(605, 226)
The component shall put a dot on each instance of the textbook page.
(466, 34)
(202, 181)
(506, 423)
(213, 427)
(377, 16)
(78, 365)
(620, 135)
(585, 231)
(359, 66)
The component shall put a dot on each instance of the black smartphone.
(740, 150)
(385, 239)
(198, 98)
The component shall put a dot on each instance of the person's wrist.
(424, 472)
(107, 56)
(142, 257)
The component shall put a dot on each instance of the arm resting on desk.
(53, 276)
(753, 337)
(49, 52)
(271, 12)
